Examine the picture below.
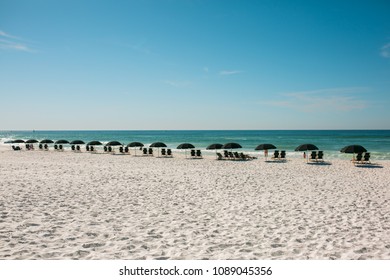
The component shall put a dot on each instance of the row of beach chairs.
(196, 154)
(279, 156)
(317, 157)
(233, 156)
(362, 159)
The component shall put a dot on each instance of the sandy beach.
(67, 205)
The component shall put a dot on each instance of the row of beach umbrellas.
(351, 149)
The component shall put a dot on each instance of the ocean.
(330, 141)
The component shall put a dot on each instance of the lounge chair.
(169, 152)
(61, 148)
(226, 154)
(313, 156)
(193, 153)
(199, 153)
(320, 156)
(109, 149)
(163, 152)
(144, 151)
(150, 152)
(236, 156)
(16, 148)
(366, 158)
(87, 148)
(78, 148)
(283, 155)
(92, 149)
(127, 150)
(276, 155)
(219, 156)
(121, 150)
(40, 146)
(73, 148)
(359, 157)
(105, 149)
(46, 147)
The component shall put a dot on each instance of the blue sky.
(170, 64)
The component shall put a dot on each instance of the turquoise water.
(330, 141)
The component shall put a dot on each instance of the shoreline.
(95, 206)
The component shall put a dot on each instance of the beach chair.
(193, 153)
(169, 153)
(320, 156)
(199, 154)
(78, 148)
(46, 147)
(366, 158)
(150, 152)
(163, 152)
(105, 149)
(92, 149)
(144, 152)
(121, 150)
(73, 148)
(283, 155)
(87, 148)
(109, 149)
(40, 146)
(276, 155)
(219, 156)
(127, 150)
(16, 148)
(56, 147)
(359, 157)
(61, 148)
(313, 156)
(236, 156)
(226, 154)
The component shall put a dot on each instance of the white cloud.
(10, 42)
(385, 51)
(322, 100)
(229, 72)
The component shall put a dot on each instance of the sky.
(194, 64)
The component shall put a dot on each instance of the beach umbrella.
(135, 145)
(231, 146)
(17, 141)
(353, 149)
(185, 146)
(94, 143)
(306, 147)
(265, 147)
(31, 141)
(62, 142)
(114, 143)
(158, 145)
(77, 142)
(47, 141)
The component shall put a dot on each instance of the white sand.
(70, 205)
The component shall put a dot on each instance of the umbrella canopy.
(158, 145)
(46, 141)
(62, 142)
(215, 146)
(114, 143)
(135, 144)
(231, 146)
(306, 147)
(18, 141)
(31, 141)
(265, 147)
(353, 149)
(186, 146)
(94, 143)
(77, 142)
